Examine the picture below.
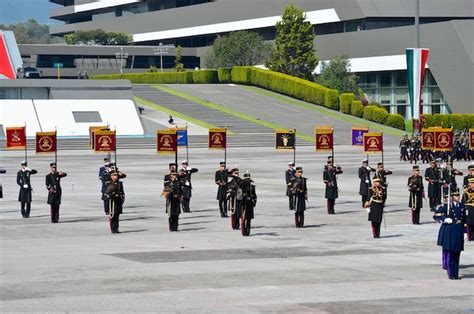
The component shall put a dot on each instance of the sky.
(14, 11)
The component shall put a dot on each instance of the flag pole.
(225, 148)
(368, 130)
(294, 148)
(187, 143)
(56, 150)
(332, 154)
(382, 147)
(115, 150)
(26, 144)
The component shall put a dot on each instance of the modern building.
(373, 33)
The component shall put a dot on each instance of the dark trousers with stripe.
(376, 229)
(330, 205)
(415, 216)
(453, 264)
(54, 213)
(25, 209)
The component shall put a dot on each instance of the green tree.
(336, 74)
(31, 32)
(294, 51)
(178, 66)
(241, 48)
(98, 37)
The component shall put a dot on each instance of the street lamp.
(162, 50)
(120, 55)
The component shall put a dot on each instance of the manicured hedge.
(346, 100)
(379, 115)
(357, 109)
(457, 121)
(224, 75)
(395, 121)
(241, 75)
(205, 77)
(368, 112)
(150, 78)
(331, 99)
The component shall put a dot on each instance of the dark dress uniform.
(116, 195)
(365, 183)
(173, 192)
(416, 188)
(466, 178)
(53, 185)
(300, 195)
(433, 176)
(468, 201)
(249, 202)
(404, 145)
(2, 171)
(376, 206)
(23, 181)
(105, 178)
(221, 181)
(449, 180)
(185, 177)
(332, 192)
(382, 175)
(234, 198)
(289, 174)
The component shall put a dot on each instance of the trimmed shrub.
(224, 75)
(205, 77)
(150, 78)
(395, 121)
(346, 100)
(442, 120)
(469, 120)
(368, 112)
(379, 115)
(357, 109)
(241, 75)
(457, 121)
(331, 99)
(374, 103)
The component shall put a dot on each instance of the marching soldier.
(382, 174)
(375, 207)
(451, 236)
(470, 175)
(433, 176)
(23, 180)
(185, 175)
(289, 174)
(415, 149)
(106, 179)
(417, 191)
(104, 176)
(173, 194)
(221, 181)
(448, 175)
(365, 184)
(102, 169)
(468, 201)
(299, 191)
(248, 203)
(404, 145)
(234, 197)
(53, 185)
(172, 167)
(116, 195)
(332, 192)
(2, 171)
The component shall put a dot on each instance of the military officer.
(185, 175)
(2, 171)
(433, 176)
(249, 202)
(404, 145)
(470, 175)
(172, 167)
(116, 195)
(330, 180)
(365, 184)
(468, 201)
(417, 191)
(289, 174)
(104, 176)
(23, 181)
(375, 206)
(234, 197)
(382, 174)
(102, 169)
(448, 178)
(221, 181)
(53, 185)
(300, 196)
(173, 194)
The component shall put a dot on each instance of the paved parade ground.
(332, 265)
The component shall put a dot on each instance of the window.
(435, 109)
(401, 95)
(401, 78)
(402, 110)
(385, 79)
(436, 96)
(385, 96)
(86, 116)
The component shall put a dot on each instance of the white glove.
(368, 168)
(448, 221)
(367, 209)
(367, 181)
(465, 236)
(187, 183)
(25, 186)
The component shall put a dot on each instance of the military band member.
(2, 171)
(365, 182)
(249, 202)
(417, 191)
(451, 236)
(289, 174)
(234, 198)
(470, 175)
(382, 174)
(221, 181)
(468, 201)
(116, 195)
(375, 206)
(53, 185)
(404, 145)
(185, 176)
(330, 180)
(448, 178)
(173, 194)
(433, 176)
(24, 182)
(300, 196)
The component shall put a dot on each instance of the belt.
(376, 201)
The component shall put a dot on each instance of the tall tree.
(336, 74)
(294, 51)
(178, 66)
(31, 32)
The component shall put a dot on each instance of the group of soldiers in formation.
(412, 150)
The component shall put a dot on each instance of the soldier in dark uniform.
(470, 175)
(468, 201)
(365, 184)
(172, 167)
(116, 195)
(106, 179)
(221, 181)
(185, 176)
(102, 169)
(433, 176)
(415, 149)
(234, 197)
(249, 202)
(375, 206)
(382, 174)
(53, 185)
(451, 236)
(417, 191)
(404, 145)
(173, 193)
(2, 171)
(300, 196)
(289, 174)
(104, 176)
(448, 178)
(23, 181)
(332, 193)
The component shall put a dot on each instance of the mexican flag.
(416, 66)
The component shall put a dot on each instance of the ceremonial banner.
(16, 137)
(416, 66)
(443, 139)
(182, 134)
(427, 138)
(471, 138)
(373, 142)
(284, 139)
(324, 138)
(166, 141)
(104, 141)
(358, 135)
(93, 129)
(46, 142)
(217, 138)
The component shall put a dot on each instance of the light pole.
(162, 50)
(120, 55)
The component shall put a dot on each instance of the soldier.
(451, 236)
(415, 149)
(289, 174)
(332, 192)
(221, 181)
(172, 167)
(104, 176)
(404, 145)
(116, 195)
(375, 206)
(417, 191)
(102, 169)
(433, 176)
(173, 194)
(300, 196)
(185, 175)
(53, 185)
(470, 175)
(2, 171)
(468, 201)
(234, 197)
(23, 181)
(448, 178)
(382, 174)
(365, 184)
(249, 202)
